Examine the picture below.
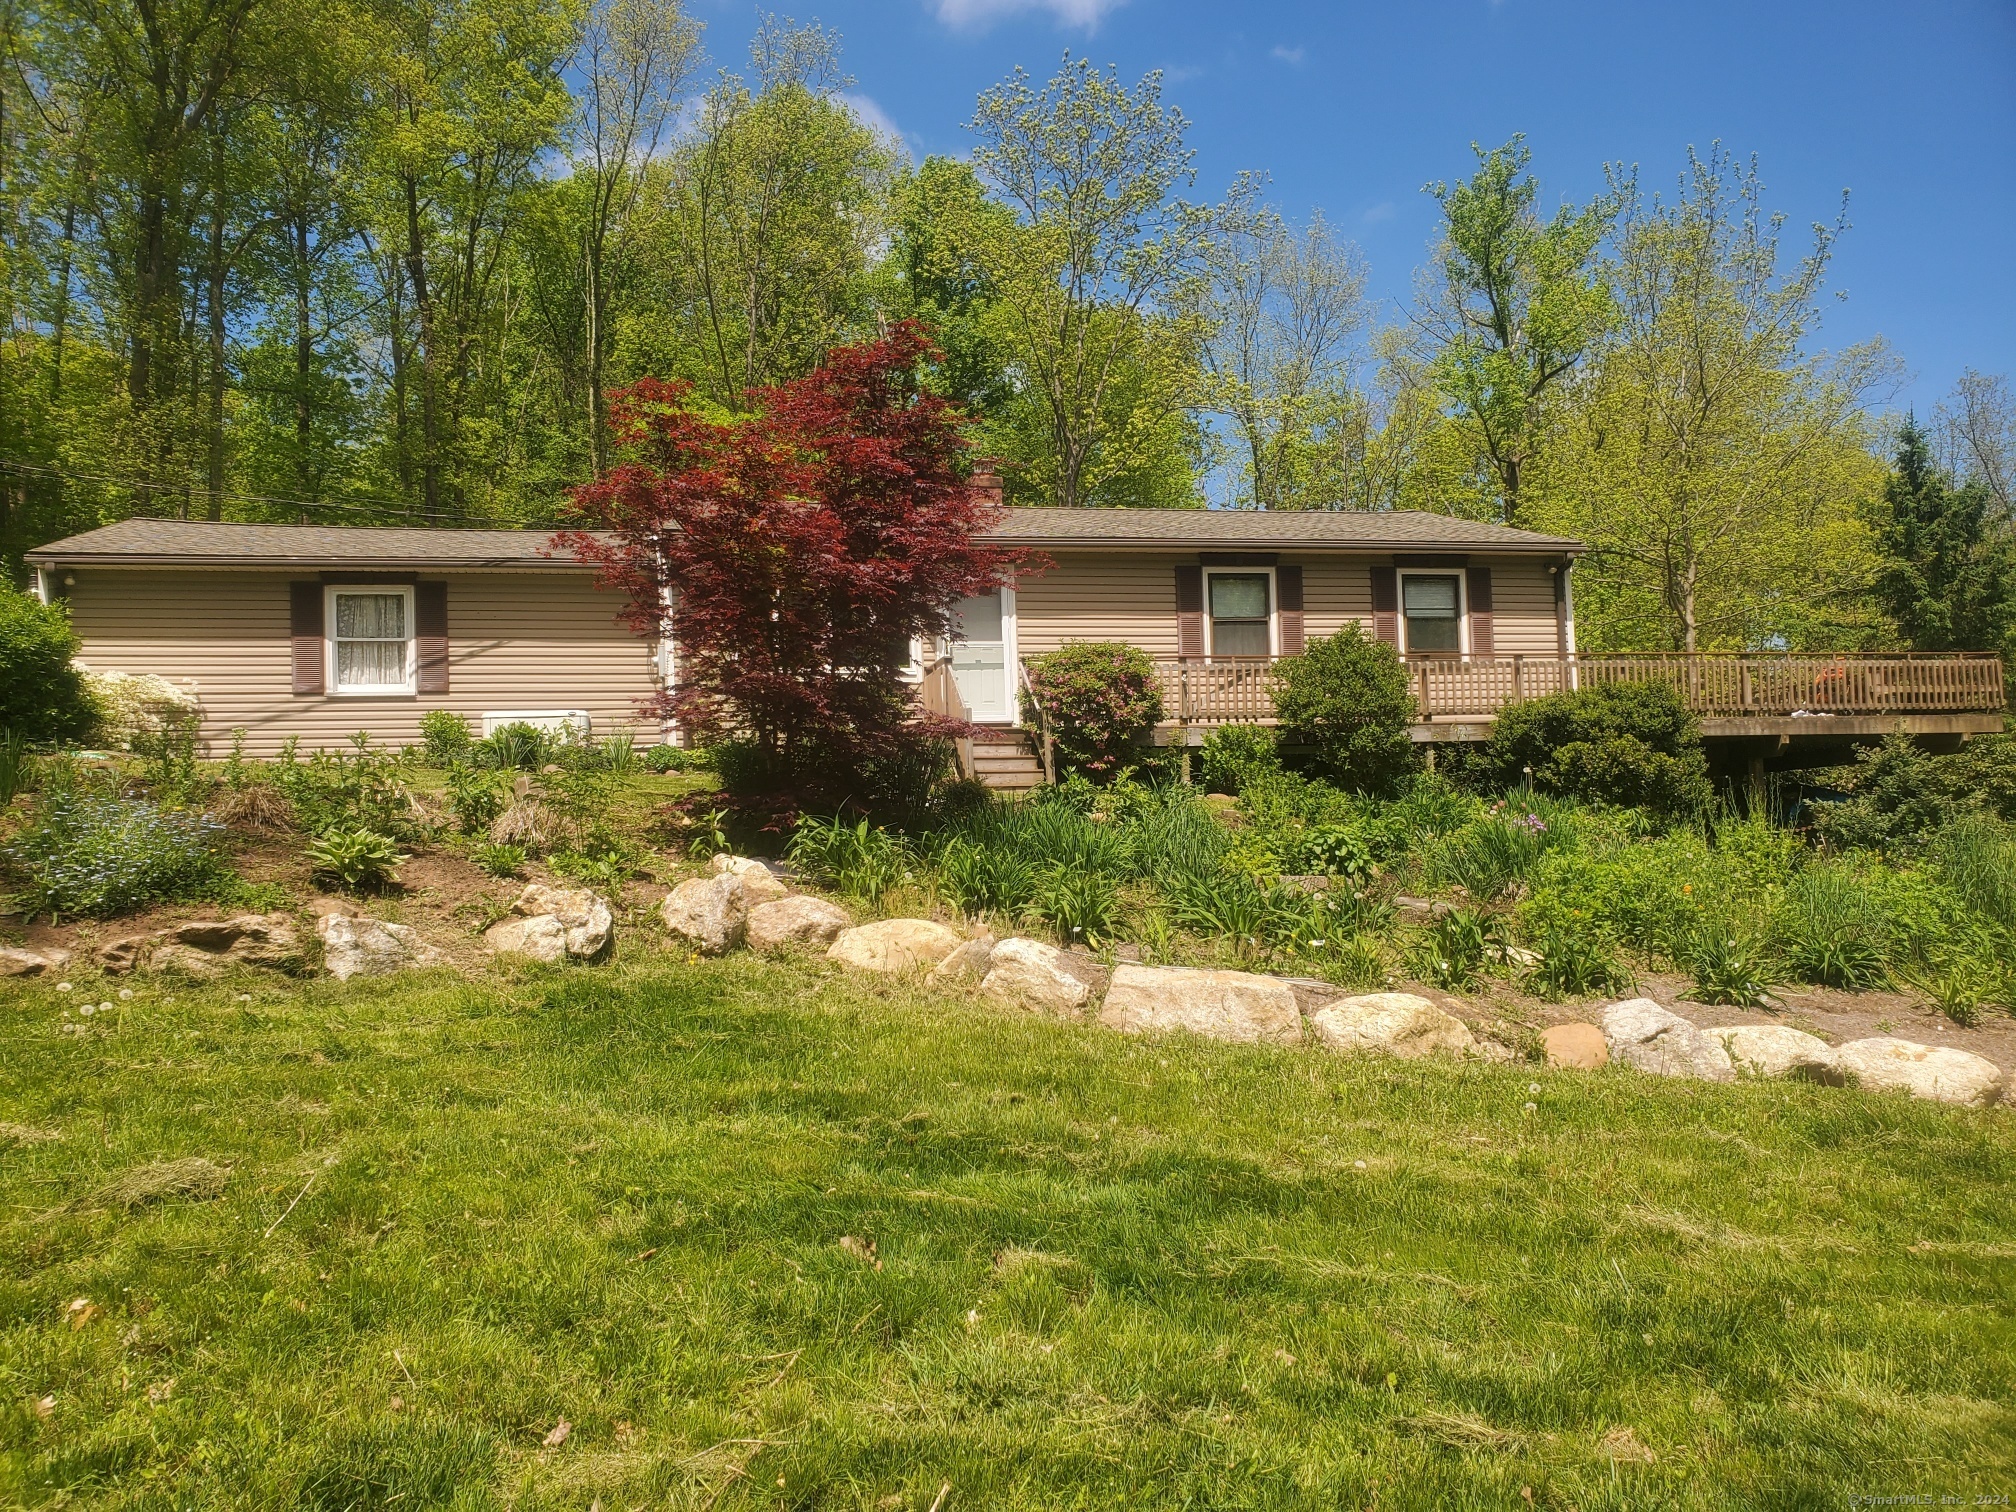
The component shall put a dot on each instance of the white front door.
(983, 636)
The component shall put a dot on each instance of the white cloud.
(1383, 211)
(1290, 54)
(975, 14)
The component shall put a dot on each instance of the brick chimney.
(986, 482)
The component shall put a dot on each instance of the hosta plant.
(355, 859)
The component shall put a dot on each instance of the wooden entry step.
(1006, 761)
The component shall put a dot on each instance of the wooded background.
(373, 262)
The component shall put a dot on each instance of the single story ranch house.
(318, 632)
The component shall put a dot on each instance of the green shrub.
(1235, 757)
(499, 860)
(1249, 916)
(1833, 930)
(856, 858)
(476, 797)
(359, 789)
(1083, 907)
(93, 856)
(1577, 959)
(618, 754)
(1730, 965)
(517, 747)
(1984, 767)
(355, 859)
(1492, 856)
(445, 737)
(1454, 950)
(979, 879)
(1899, 801)
(667, 758)
(1976, 857)
(1330, 850)
(43, 698)
(1630, 744)
(1100, 698)
(1349, 697)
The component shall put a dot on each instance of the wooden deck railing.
(1237, 690)
(938, 693)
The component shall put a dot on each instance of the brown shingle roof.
(1273, 530)
(201, 543)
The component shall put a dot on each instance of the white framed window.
(1239, 604)
(1433, 616)
(370, 636)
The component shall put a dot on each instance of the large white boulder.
(1227, 1005)
(540, 938)
(1391, 1023)
(707, 914)
(1039, 975)
(28, 963)
(763, 885)
(1778, 1050)
(1643, 1035)
(965, 967)
(203, 947)
(1935, 1072)
(579, 918)
(797, 920)
(370, 947)
(894, 945)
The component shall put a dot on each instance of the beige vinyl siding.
(516, 640)
(1131, 596)
(1522, 593)
(1098, 596)
(1336, 591)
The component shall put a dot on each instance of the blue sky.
(1353, 106)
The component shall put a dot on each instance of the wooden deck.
(1456, 698)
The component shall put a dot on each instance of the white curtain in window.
(370, 616)
(370, 664)
(370, 640)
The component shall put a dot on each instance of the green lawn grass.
(1112, 1271)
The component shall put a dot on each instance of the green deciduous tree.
(1712, 463)
(1102, 259)
(1511, 307)
(1279, 312)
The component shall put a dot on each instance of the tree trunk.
(598, 448)
(304, 358)
(214, 299)
(416, 276)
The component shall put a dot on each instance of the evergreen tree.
(1948, 571)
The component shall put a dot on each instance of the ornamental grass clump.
(96, 856)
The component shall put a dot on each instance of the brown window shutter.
(1481, 642)
(1189, 611)
(1386, 606)
(304, 602)
(1288, 585)
(430, 636)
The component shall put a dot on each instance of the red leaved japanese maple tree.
(802, 547)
